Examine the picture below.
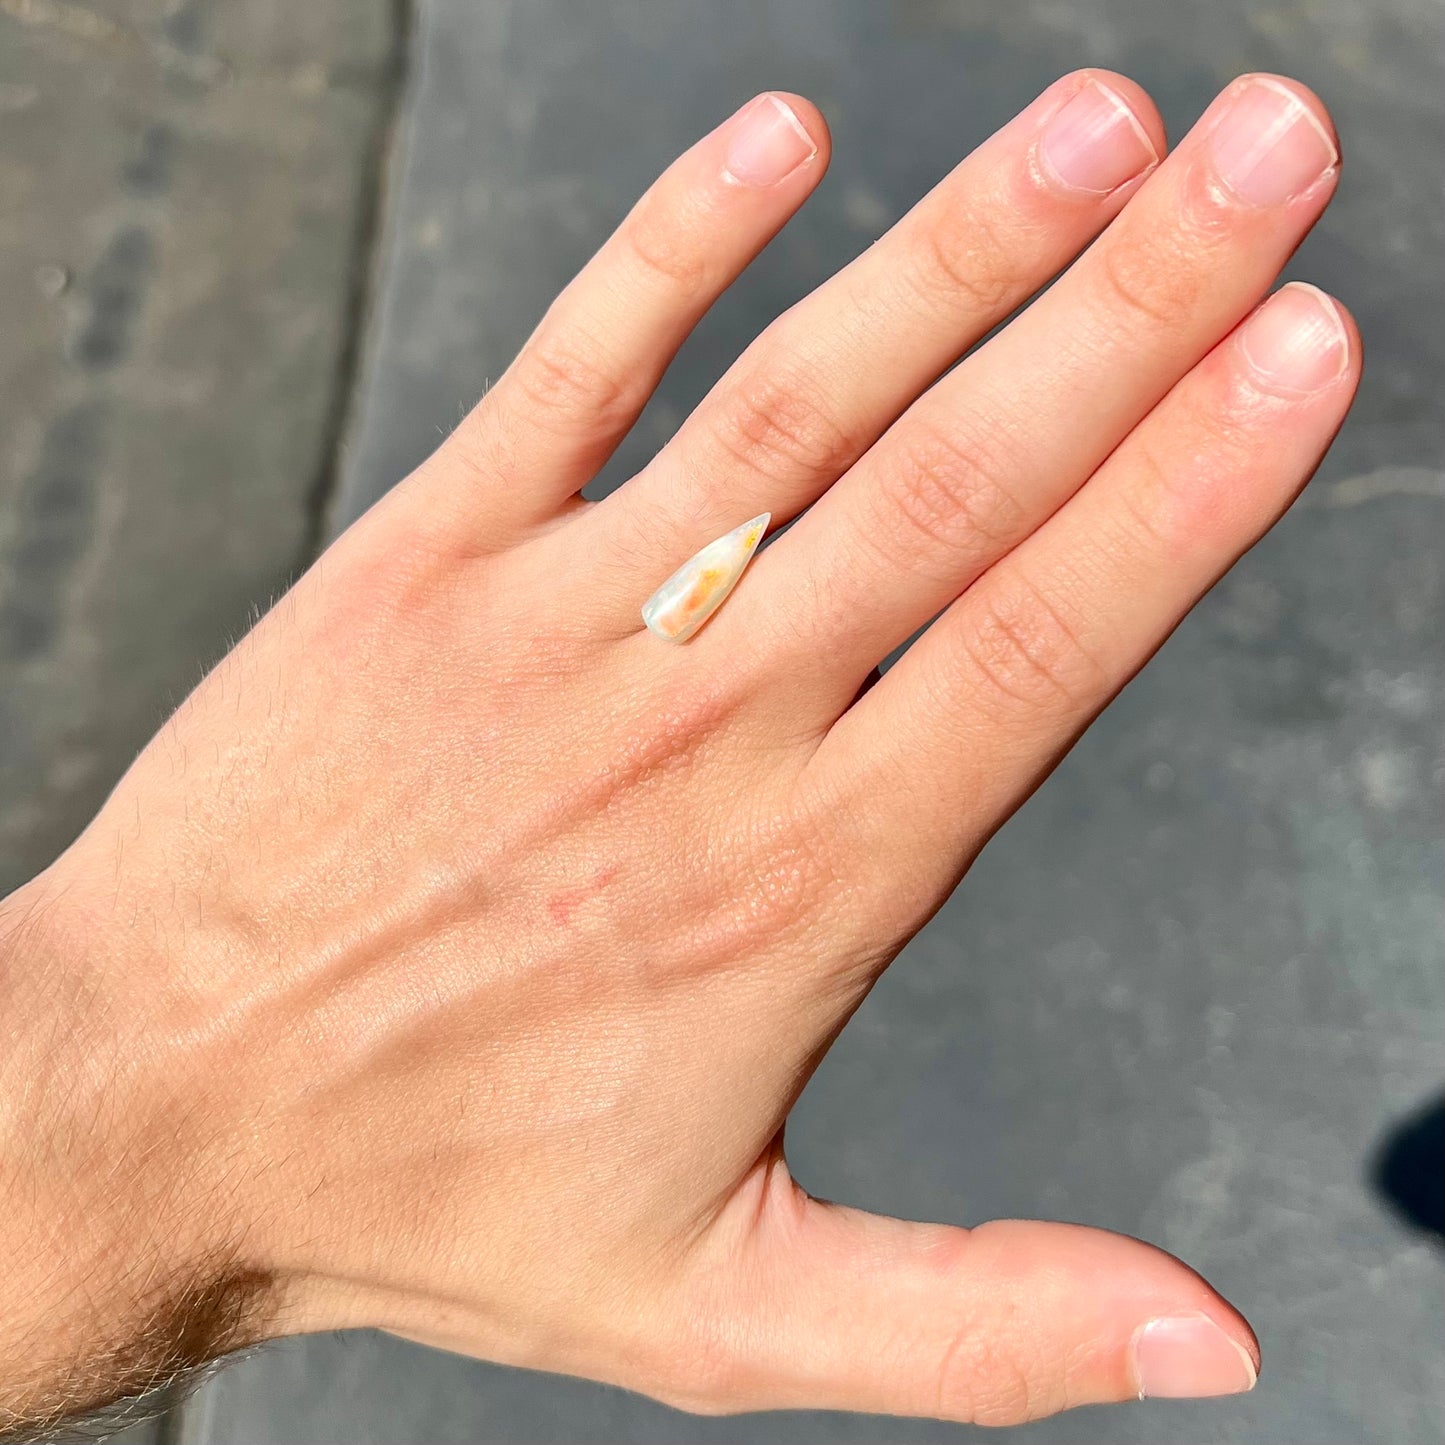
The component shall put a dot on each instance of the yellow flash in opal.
(696, 590)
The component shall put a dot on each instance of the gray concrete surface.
(186, 208)
(185, 195)
(1194, 991)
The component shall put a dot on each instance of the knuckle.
(982, 1382)
(945, 488)
(1159, 515)
(572, 376)
(1150, 285)
(777, 879)
(1210, 442)
(1023, 647)
(667, 247)
(1144, 502)
(964, 256)
(779, 426)
(790, 868)
(1223, 409)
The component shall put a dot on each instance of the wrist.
(121, 1273)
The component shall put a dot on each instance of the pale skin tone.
(452, 958)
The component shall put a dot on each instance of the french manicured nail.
(1096, 143)
(1269, 146)
(1188, 1357)
(1297, 339)
(768, 143)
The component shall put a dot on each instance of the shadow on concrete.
(1408, 1171)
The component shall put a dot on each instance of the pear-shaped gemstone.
(695, 591)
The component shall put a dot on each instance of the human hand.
(454, 955)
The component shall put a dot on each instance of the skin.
(452, 958)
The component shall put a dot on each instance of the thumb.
(996, 1325)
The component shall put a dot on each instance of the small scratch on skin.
(1385, 482)
(562, 906)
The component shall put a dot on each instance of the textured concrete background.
(1194, 991)
(186, 205)
(185, 190)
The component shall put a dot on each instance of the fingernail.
(1297, 339)
(1096, 143)
(1269, 146)
(768, 143)
(1188, 1357)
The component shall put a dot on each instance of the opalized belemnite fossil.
(695, 591)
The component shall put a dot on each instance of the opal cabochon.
(696, 590)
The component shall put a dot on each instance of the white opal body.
(695, 591)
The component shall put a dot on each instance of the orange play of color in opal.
(695, 591)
